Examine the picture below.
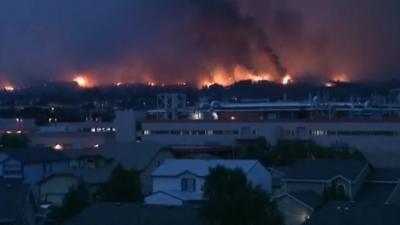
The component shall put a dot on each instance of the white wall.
(174, 183)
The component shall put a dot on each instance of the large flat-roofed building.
(378, 140)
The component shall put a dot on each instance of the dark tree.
(75, 201)
(258, 149)
(14, 141)
(123, 186)
(232, 200)
(287, 151)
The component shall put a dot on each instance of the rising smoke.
(186, 40)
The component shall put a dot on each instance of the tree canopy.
(287, 151)
(14, 141)
(75, 201)
(232, 200)
(123, 186)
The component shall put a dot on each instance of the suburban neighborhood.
(199, 112)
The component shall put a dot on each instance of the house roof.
(200, 167)
(184, 196)
(384, 175)
(323, 169)
(37, 155)
(88, 175)
(306, 197)
(13, 194)
(369, 208)
(349, 214)
(131, 155)
(135, 214)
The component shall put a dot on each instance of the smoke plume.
(192, 40)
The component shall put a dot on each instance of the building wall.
(154, 164)
(358, 185)
(259, 176)
(162, 199)
(331, 133)
(55, 188)
(292, 211)
(76, 140)
(125, 125)
(28, 212)
(174, 183)
(3, 157)
(34, 173)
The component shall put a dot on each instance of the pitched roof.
(37, 155)
(88, 175)
(13, 194)
(368, 209)
(323, 169)
(135, 214)
(307, 197)
(184, 196)
(131, 155)
(200, 167)
(384, 175)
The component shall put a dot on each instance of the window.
(12, 169)
(188, 185)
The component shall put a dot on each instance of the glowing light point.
(287, 79)
(329, 84)
(58, 147)
(118, 84)
(9, 88)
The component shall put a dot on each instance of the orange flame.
(342, 77)
(287, 79)
(9, 88)
(220, 76)
(83, 81)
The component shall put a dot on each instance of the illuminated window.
(146, 132)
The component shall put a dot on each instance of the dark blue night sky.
(185, 39)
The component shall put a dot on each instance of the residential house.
(17, 203)
(54, 187)
(177, 182)
(102, 213)
(32, 164)
(344, 177)
(296, 207)
(143, 157)
(371, 207)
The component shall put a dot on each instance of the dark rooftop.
(135, 214)
(35, 155)
(391, 175)
(308, 197)
(323, 169)
(368, 209)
